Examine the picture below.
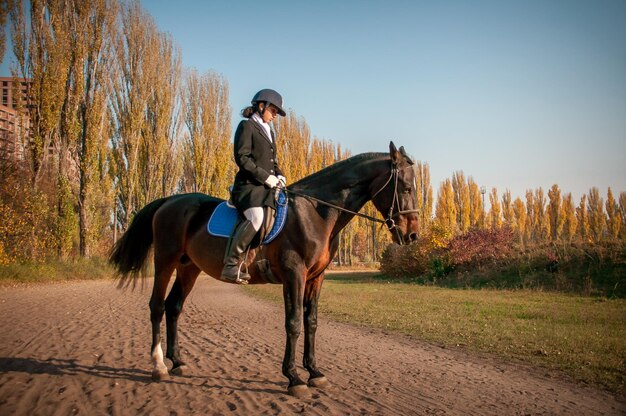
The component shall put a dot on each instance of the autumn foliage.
(117, 122)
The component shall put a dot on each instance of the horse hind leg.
(186, 276)
(162, 274)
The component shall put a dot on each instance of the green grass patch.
(55, 270)
(583, 336)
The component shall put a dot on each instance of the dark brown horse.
(320, 206)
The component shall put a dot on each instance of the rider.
(255, 155)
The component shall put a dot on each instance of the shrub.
(409, 260)
(476, 248)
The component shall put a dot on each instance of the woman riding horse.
(320, 206)
(255, 155)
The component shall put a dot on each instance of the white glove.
(282, 180)
(271, 181)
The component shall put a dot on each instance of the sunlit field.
(583, 336)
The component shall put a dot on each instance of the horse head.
(394, 194)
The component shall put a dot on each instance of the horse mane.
(330, 173)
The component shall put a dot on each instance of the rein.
(389, 222)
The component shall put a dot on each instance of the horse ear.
(393, 152)
(407, 157)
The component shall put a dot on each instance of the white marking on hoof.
(159, 376)
(300, 392)
(159, 372)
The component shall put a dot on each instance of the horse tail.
(130, 252)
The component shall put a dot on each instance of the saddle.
(225, 217)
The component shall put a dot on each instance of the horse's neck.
(349, 190)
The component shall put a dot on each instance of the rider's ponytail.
(248, 111)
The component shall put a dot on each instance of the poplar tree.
(315, 159)
(614, 218)
(555, 217)
(622, 212)
(570, 223)
(159, 161)
(132, 90)
(582, 217)
(495, 218)
(293, 141)
(461, 201)
(93, 23)
(507, 209)
(596, 216)
(42, 57)
(540, 219)
(207, 147)
(519, 212)
(424, 195)
(5, 6)
(445, 212)
(530, 216)
(477, 211)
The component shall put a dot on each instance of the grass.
(54, 271)
(583, 336)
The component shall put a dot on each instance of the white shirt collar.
(256, 117)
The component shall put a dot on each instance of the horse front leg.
(185, 279)
(293, 294)
(311, 298)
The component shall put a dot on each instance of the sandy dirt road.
(83, 348)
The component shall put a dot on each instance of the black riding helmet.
(270, 97)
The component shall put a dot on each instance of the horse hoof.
(159, 376)
(300, 392)
(180, 370)
(319, 382)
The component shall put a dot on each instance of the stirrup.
(237, 279)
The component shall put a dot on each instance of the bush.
(425, 257)
(409, 260)
(56, 270)
(484, 258)
(477, 248)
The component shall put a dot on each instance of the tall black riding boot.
(235, 253)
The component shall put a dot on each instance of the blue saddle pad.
(225, 217)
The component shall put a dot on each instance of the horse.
(319, 207)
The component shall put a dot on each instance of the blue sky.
(517, 94)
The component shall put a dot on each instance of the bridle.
(389, 221)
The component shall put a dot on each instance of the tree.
(507, 209)
(582, 217)
(614, 218)
(530, 216)
(445, 211)
(595, 212)
(555, 217)
(159, 161)
(477, 210)
(207, 150)
(520, 214)
(495, 218)
(293, 138)
(541, 219)
(461, 201)
(5, 6)
(136, 51)
(42, 55)
(622, 212)
(570, 223)
(92, 26)
(424, 195)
